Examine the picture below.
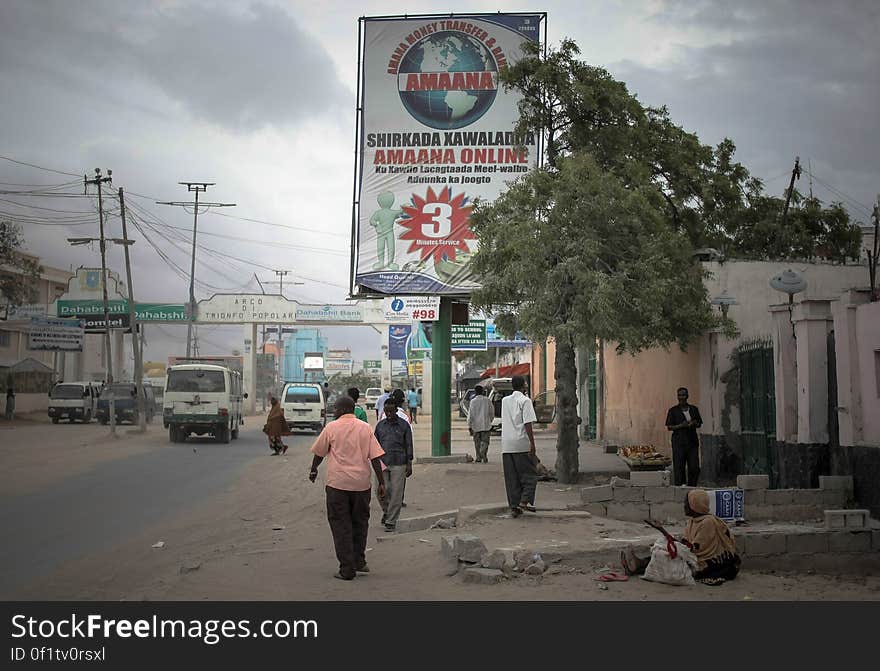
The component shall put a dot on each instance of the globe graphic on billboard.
(448, 80)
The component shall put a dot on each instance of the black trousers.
(686, 463)
(520, 478)
(349, 516)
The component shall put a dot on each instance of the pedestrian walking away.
(480, 416)
(10, 403)
(380, 403)
(413, 400)
(395, 437)
(351, 451)
(684, 420)
(276, 427)
(518, 456)
(354, 394)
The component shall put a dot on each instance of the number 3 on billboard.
(441, 225)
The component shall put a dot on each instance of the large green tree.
(597, 244)
(19, 274)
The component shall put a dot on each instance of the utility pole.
(872, 253)
(795, 172)
(281, 274)
(197, 188)
(98, 181)
(132, 317)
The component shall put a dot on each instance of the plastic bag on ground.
(668, 569)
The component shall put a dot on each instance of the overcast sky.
(259, 97)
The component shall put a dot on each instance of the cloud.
(241, 68)
(781, 79)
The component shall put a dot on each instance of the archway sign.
(251, 310)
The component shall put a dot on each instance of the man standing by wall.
(684, 420)
(480, 416)
(351, 449)
(395, 437)
(518, 448)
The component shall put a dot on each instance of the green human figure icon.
(383, 221)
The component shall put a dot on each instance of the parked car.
(126, 403)
(202, 399)
(73, 401)
(465, 403)
(304, 406)
(496, 389)
(371, 396)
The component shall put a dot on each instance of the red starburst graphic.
(438, 225)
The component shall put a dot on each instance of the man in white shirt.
(480, 416)
(518, 448)
(380, 403)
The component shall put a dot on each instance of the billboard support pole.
(441, 381)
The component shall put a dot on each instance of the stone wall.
(628, 501)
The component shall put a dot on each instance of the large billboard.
(436, 133)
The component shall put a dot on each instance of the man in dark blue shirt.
(395, 437)
(684, 420)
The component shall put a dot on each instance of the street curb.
(448, 459)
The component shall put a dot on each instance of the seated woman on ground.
(707, 536)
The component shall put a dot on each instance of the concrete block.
(597, 509)
(835, 519)
(483, 576)
(659, 494)
(857, 519)
(834, 498)
(753, 481)
(679, 493)
(758, 511)
(469, 548)
(447, 544)
(594, 494)
(619, 482)
(629, 512)
(668, 510)
(762, 544)
(776, 497)
(525, 558)
(850, 541)
(844, 482)
(422, 522)
(466, 513)
(784, 513)
(649, 478)
(808, 497)
(806, 543)
(758, 496)
(500, 558)
(629, 494)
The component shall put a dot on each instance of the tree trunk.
(566, 413)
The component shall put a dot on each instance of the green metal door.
(757, 406)
(591, 395)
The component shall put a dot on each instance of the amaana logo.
(447, 80)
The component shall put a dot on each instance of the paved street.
(80, 513)
(84, 513)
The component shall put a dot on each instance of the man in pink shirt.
(351, 449)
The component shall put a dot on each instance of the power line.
(39, 167)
